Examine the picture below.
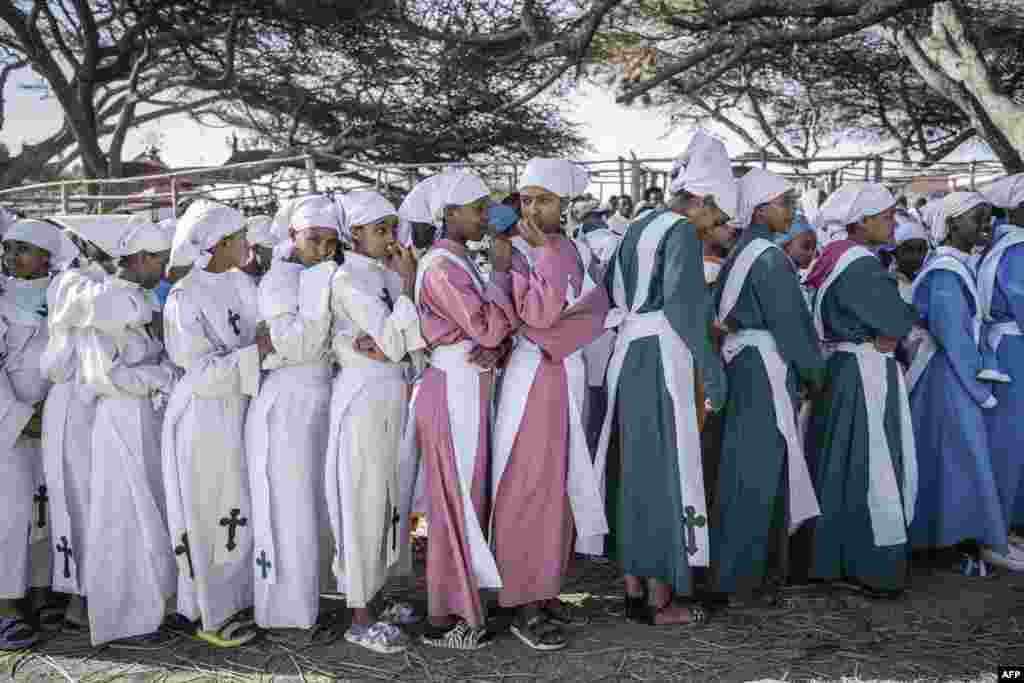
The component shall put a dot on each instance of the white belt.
(996, 332)
(633, 326)
(454, 357)
(310, 373)
(889, 521)
(803, 503)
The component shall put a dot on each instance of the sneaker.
(381, 637)
(16, 634)
(461, 636)
(401, 613)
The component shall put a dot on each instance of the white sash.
(803, 503)
(987, 285)
(462, 388)
(927, 348)
(889, 521)
(582, 481)
(677, 361)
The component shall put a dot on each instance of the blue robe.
(1006, 437)
(957, 493)
(749, 523)
(863, 303)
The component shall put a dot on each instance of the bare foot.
(672, 614)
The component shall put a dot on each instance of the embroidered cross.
(233, 319)
(41, 499)
(388, 301)
(65, 549)
(692, 521)
(232, 522)
(264, 563)
(185, 550)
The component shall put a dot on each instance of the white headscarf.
(454, 188)
(704, 169)
(908, 229)
(47, 237)
(6, 219)
(257, 231)
(415, 208)
(118, 234)
(757, 187)
(850, 204)
(363, 207)
(315, 210)
(1006, 193)
(937, 212)
(204, 224)
(558, 176)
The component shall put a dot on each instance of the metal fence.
(259, 185)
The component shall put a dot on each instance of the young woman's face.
(25, 261)
(802, 249)
(468, 222)
(314, 245)
(148, 267)
(375, 240)
(910, 256)
(233, 249)
(880, 228)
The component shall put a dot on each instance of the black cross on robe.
(233, 319)
(41, 500)
(388, 301)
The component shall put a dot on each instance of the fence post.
(764, 158)
(311, 173)
(878, 169)
(636, 181)
(174, 197)
(622, 176)
(974, 174)
(65, 208)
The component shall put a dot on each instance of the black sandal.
(636, 607)
(539, 634)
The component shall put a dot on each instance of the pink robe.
(451, 311)
(532, 529)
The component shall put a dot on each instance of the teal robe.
(750, 521)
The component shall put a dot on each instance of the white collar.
(360, 261)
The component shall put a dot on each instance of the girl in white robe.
(286, 429)
(210, 328)
(369, 413)
(25, 557)
(121, 360)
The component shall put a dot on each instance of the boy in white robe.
(210, 328)
(286, 428)
(369, 411)
(121, 360)
(31, 248)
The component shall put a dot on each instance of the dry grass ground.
(947, 628)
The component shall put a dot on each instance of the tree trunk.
(950, 62)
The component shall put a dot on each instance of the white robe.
(286, 439)
(24, 522)
(122, 362)
(68, 417)
(369, 411)
(209, 328)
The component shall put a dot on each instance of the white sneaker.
(1008, 561)
(385, 639)
(1016, 540)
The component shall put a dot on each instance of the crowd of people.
(208, 420)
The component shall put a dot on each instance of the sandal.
(157, 640)
(50, 616)
(236, 632)
(698, 615)
(461, 636)
(561, 613)
(382, 637)
(539, 633)
(16, 634)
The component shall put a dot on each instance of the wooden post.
(867, 170)
(878, 169)
(622, 176)
(64, 206)
(311, 172)
(636, 180)
(974, 174)
(764, 158)
(174, 197)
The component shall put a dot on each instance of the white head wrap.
(257, 231)
(1006, 193)
(454, 188)
(755, 188)
(415, 208)
(850, 204)
(46, 236)
(908, 229)
(6, 219)
(204, 224)
(364, 207)
(315, 210)
(558, 176)
(118, 234)
(704, 169)
(937, 212)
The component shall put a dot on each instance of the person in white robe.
(210, 327)
(119, 358)
(286, 427)
(31, 249)
(262, 240)
(369, 412)
(416, 224)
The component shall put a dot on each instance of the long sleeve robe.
(750, 522)
(452, 310)
(533, 521)
(209, 326)
(958, 497)
(285, 439)
(862, 304)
